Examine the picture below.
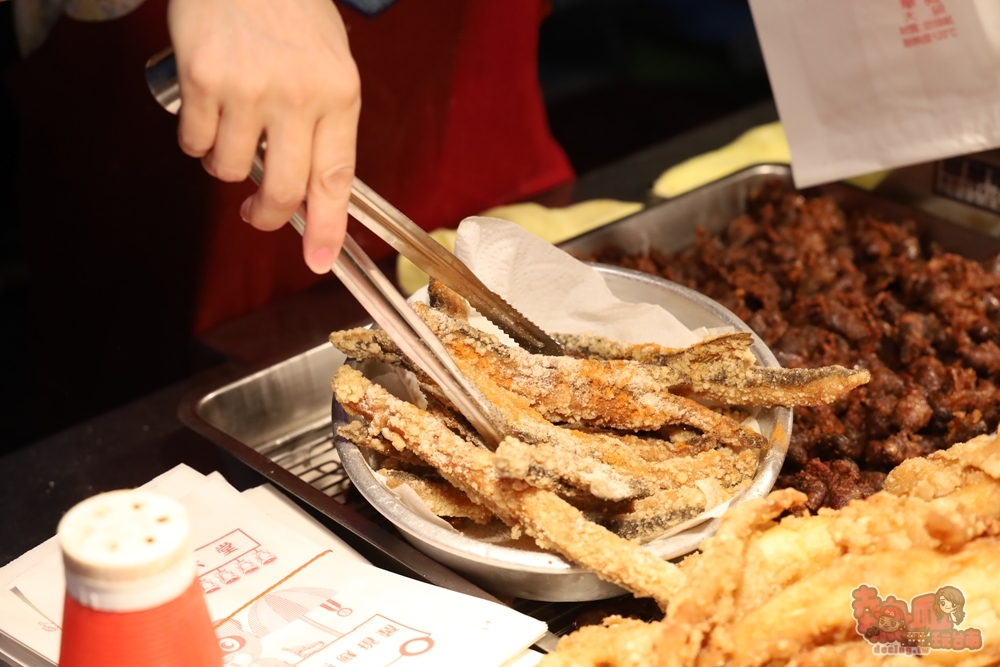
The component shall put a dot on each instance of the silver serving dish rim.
(457, 550)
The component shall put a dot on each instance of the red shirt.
(452, 122)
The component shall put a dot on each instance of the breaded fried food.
(723, 369)
(591, 461)
(550, 520)
(678, 497)
(765, 591)
(604, 394)
(447, 301)
(356, 433)
(623, 395)
(617, 642)
(440, 497)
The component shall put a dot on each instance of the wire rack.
(309, 454)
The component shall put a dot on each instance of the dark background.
(617, 76)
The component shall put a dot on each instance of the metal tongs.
(379, 296)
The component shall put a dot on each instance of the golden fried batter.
(723, 369)
(440, 497)
(768, 592)
(551, 521)
(447, 301)
(612, 394)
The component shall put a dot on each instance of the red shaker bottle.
(132, 597)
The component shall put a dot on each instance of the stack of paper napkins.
(281, 590)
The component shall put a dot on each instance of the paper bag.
(867, 85)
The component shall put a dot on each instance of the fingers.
(239, 132)
(223, 135)
(329, 189)
(199, 115)
(286, 172)
(198, 126)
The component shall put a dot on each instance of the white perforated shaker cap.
(126, 551)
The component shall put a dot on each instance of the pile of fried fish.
(605, 448)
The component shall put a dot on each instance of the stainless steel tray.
(671, 225)
(278, 420)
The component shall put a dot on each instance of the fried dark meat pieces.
(823, 287)
(765, 591)
(551, 521)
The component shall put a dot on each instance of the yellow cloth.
(869, 181)
(555, 225)
(761, 145)
(765, 144)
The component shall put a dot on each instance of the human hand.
(248, 67)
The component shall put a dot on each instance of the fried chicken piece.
(550, 520)
(771, 633)
(947, 471)
(618, 642)
(768, 592)
(815, 552)
(851, 654)
(440, 497)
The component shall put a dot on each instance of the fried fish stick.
(357, 433)
(619, 395)
(518, 460)
(526, 424)
(615, 394)
(447, 300)
(440, 497)
(551, 468)
(551, 521)
(732, 346)
(453, 419)
(723, 369)
(652, 516)
(680, 443)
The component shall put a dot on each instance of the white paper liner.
(541, 294)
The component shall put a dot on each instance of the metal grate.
(310, 455)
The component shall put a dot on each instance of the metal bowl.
(537, 575)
